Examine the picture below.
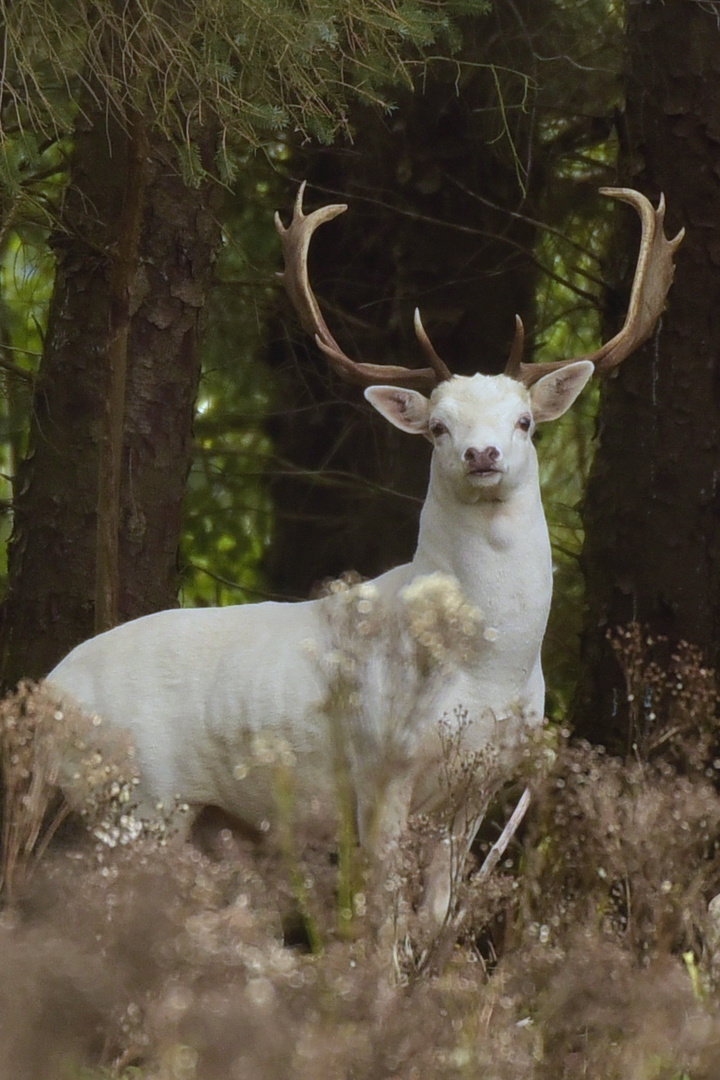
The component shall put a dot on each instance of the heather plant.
(385, 666)
(671, 697)
(54, 761)
(32, 811)
(383, 672)
(583, 941)
(626, 847)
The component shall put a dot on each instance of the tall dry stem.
(33, 810)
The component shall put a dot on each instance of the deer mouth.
(484, 474)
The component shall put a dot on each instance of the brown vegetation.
(592, 949)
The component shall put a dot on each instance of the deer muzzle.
(482, 462)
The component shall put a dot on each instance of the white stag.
(196, 687)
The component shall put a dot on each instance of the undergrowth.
(587, 946)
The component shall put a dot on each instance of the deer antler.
(653, 278)
(296, 243)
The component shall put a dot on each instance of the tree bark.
(180, 239)
(122, 279)
(95, 532)
(652, 514)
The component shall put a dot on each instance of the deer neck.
(490, 545)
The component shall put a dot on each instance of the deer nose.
(482, 460)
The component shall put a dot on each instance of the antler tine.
(441, 369)
(653, 277)
(514, 365)
(296, 243)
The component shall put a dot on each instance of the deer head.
(480, 425)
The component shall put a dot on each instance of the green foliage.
(569, 323)
(469, 8)
(246, 69)
(228, 517)
(33, 173)
(26, 278)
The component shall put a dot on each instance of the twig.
(447, 936)
(16, 371)
(499, 848)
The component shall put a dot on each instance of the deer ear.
(553, 395)
(406, 409)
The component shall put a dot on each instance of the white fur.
(197, 687)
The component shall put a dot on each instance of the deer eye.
(437, 428)
(525, 422)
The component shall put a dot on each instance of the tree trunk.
(652, 513)
(180, 238)
(122, 278)
(95, 531)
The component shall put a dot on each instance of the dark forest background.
(167, 434)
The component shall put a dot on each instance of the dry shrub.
(601, 1015)
(605, 947)
(608, 946)
(469, 782)
(32, 809)
(56, 759)
(386, 666)
(168, 960)
(587, 952)
(627, 846)
(671, 698)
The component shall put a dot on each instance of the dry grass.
(589, 951)
(56, 760)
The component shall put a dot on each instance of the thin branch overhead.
(251, 70)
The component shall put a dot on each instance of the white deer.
(196, 688)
